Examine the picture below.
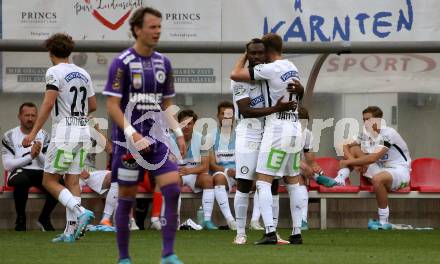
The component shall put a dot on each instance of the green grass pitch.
(321, 246)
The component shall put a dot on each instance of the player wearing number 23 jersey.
(70, 130)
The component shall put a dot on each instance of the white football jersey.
(275, 76)
(69, 115)
(12, 148)
(252, 127)
(388, 137)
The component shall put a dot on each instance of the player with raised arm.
(250, 109)
(381, 155)
(279, 149)
(70, 97)
(140, 85)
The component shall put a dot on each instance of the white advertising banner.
(195, 20)
(332, 20)
(193, 73)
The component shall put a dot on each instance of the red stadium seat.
(330, 166)
(425, 175)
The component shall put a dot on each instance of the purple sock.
(171, 194)
(122, 226)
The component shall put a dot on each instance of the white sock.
(179, 204)
(241, 202)
(275, 209)
(256, 209)
(68, 200)
(344, 173)
(223, 202)
(383, 215)
(297, 195)
(71, 221)
(110, 201)
(265, 199)
(208, 203)
(305, 206)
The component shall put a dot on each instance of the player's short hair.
(187, 113)
(137, 19)
(60, 45)
(224, 104)
(26, 104)
(303, 113)
(273, 42)
(375, 111)
(254, 41)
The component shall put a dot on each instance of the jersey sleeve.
(239, 90)
(91, 91)
(387, 138)
(115, 80)
(7, 145)
(264, 71)
(169, 91)
(52, 80)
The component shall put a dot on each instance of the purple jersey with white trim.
(144, 81)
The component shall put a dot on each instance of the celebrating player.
(249, 109)
(278, 152)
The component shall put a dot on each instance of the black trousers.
(22, 180)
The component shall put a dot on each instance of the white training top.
(250, 128)
(397, 154)
(15, 156)
(69, 115)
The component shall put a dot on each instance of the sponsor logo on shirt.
(257, 100)
(289, 75)
(76, 75)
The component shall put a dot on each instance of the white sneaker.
(240, 239)
(281, 241)
(133, 225)
(155, 223)
(255, 225)
(339, 181)
(232, 225)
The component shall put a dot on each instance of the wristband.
(129, 131)
(226, 172)
(178, 132)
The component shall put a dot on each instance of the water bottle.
(200, 216)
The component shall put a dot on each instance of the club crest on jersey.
(137, 80)
(244, 170)
(160, 76)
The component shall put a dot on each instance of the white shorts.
(400, 174)
(230, 180)
(190, 181)
(246, 157)
(280, 151)
(64, 158)
(95, 181)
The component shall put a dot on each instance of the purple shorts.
(126, 170)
